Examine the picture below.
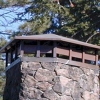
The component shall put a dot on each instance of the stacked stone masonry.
(51, 81)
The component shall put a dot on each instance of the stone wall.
(51, 81)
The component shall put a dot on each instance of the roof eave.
(3, 49)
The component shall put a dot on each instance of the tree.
(78, 19)
(2, 42)
(2, 72)
(2, 78)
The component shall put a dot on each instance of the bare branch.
(88, 28)
(4, 33)
(92, 36)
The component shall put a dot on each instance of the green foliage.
(2, 72)
(2, 42)
(78, 19)
(2, 79)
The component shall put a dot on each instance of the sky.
(6, 19)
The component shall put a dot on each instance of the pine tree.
(78, 19)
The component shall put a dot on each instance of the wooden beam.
(76, 54)
(62, 51)
(89, 57)
(60, 60)
(17, 61)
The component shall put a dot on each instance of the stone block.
(64, 97)
(59, 88)
(30, 81)
(44, 75)
(86, 95)
(49, 65)
(51, 95)
(43, 85)
(63, 72)
(34, 65)
(62, 80)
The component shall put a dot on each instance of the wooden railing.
(53, 49)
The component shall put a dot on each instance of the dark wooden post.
(54, 49)
(6, 58)
(11, 55)
(38, 49)
(16, 51)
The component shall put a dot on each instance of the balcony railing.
(52, 46)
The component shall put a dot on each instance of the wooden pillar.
(96, 57)
(16, 51)
(83, 55)
(54, 49)
(6, 58)
(22, 49)
(38, 49)
(70, 52)
(11, 55)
